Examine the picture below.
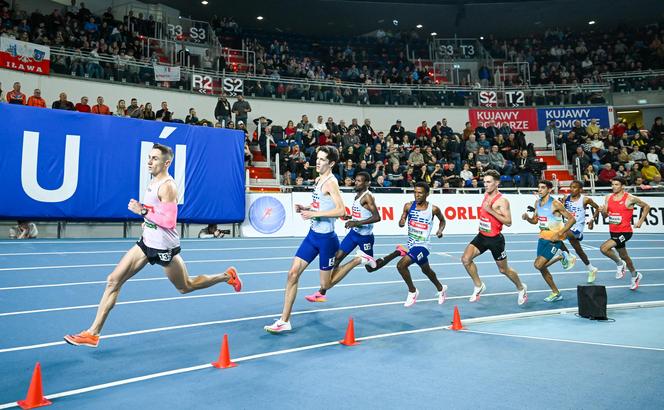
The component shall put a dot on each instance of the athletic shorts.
(547, 249)
(419, 255)
(578, 235)
(620, 238)
(323, 245)
(159, 256)
(353, 239)
(496, 244)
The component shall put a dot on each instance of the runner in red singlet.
(495, 213)
(619, 209)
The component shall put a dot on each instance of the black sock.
(322, 291)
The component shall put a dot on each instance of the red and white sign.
(518, 119)
(22, 56)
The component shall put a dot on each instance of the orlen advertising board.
(460, 211)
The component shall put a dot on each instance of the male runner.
(619, 207)
(576, 204)
(548, 215)
(495, 213)
(363, 215)
(419, 214)
(159, 243)
(321, 240)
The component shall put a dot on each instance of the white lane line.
(236, 261)
(306, 312)
(287, 351)
(211, 295)
(552, 339)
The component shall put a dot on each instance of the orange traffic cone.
(35, 397)
(224, 361)
(456, 320)
(349, 340)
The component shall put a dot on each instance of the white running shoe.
(442, 295)
(367, 260)
(278, 326)
(412, 298)
(477, 292)
(523, 295)
(620, 271)
(570, 262)
(636, 280)
(592, 275)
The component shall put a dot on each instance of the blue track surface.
(50, 288)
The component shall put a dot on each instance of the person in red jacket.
(15, 96)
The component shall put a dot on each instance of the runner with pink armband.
(159, 243)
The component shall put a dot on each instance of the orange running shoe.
(84, 338)
(234, 280)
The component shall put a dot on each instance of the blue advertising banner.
(77, 166)
(566, 116)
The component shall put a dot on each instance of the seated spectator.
(134, 110)
(471, 144)
(466, 174)
(15, 96)
(83, 105)
(653, 158)
(191, 118)
(649, 171)
(657, 130)
(482, 157)
(23, 230)
(164, 111)
(36, 99)
(637, 155)
(498, 162)
(211, 231)
(589, 176)
(100, 107)
(606, 175)
(63, 103)
(416, 159)
(524, 169)
(423, 131)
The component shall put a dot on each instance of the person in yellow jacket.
(649, 171)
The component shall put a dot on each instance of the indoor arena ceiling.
(465, 18)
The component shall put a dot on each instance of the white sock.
(619, 263)
(590, 266)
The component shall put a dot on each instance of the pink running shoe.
(402, 250)
(316, 297)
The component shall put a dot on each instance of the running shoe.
(635, 281)
(412, 298)
(592, 275)
(403, 251)
(571, 261)
(442, 295)
(564, 261)
(367, 260)
(84, 338)
(316, 297)
(278, 326)
(234, 279)
(620, 271)
(523, 295)
(553, 297)
(477, 292)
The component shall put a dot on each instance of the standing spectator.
(147, 113)
(657, 131)
(368, 134)
(63, 103)
(134, 111)
(592, 128)
(222, 112)
(525, 170)
(15, 96)
(578, 130)
(446, 130)
(164, 114)
(83, 105)
(36, 99)
(397, 132)
(241, 108)
(23, 230)
(100, 107)
(423, 131)
(552, 134)
(191, 118)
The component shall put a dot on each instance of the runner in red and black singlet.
(495, 213)
(619, 209)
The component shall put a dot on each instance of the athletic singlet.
(548, 222)
(322, 202)
(420, 223)
(155, 236)
(489, 225)
(578, 209)
(360, 213)
(620, 216)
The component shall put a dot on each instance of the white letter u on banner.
(29, 169)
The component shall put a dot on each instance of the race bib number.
(615, 219)
(150, 225)
(485, 226)
(165, 256)
(543, 223)
(367, 246)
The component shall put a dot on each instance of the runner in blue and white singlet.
(363, 215)
(420, 223)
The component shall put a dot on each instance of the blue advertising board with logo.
(565, 116)
(78, 166)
